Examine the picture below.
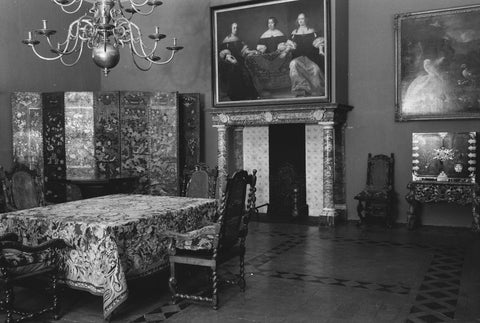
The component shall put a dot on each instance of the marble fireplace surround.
(243, 144)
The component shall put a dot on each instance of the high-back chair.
(201, 182)
(22, 188)
(18, 263)
(211, 244)
(377, 198)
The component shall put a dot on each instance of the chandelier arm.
(45, 58)
(138, 39)
(67, 47)
(63, 6)
(172, 54)
(146, 13)
(144, 69)
(142, 47)
(76, 60)
(141, 4)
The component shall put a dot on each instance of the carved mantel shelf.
(266, 115)
(329, 117)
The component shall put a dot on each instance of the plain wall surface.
(21, 70)
(369, 45)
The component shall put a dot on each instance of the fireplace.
(286, 152)
(254, 138)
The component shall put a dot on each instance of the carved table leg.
(411, 215)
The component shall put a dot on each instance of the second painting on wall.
(270, 52)
(438, 64)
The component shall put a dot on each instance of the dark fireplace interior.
(287, 170)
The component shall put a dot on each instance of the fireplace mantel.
(266, 115)
(325, 119)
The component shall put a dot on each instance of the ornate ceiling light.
(103, 29)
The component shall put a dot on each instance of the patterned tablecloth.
(114, 237)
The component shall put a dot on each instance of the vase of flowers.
(442, 155)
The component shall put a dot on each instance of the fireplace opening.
(287, 171)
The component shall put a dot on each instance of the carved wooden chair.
(377, 198)
(200, 182)
(19, 262)
(22, 188)
(215, 242)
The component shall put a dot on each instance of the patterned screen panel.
(135, 152)
(106, 116)
(79, 139)
(189, 114)
(54, 145)
(27, 129)
(163, 129)
(444, 156)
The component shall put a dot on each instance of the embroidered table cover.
(114, 237)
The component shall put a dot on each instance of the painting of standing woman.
(270, 52)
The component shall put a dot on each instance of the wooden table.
(435, 192)
(114, 237)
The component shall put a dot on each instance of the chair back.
(201, 183)
(380, 172)
(22, 188)
(234, 216)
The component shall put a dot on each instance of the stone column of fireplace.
(328, 116)
(222, 158)
(328, 212)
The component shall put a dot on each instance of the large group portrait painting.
(438, 64)
(270, 52)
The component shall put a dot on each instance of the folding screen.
(91, 134)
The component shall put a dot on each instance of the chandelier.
(103, 29)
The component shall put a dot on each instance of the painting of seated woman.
(269, 64)
(280, 54)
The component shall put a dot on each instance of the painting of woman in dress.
(307, 47)
(236, 78)
(269, 64)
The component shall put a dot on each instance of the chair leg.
(241, 279)
(55, 300)
(214, 288)
(360, 212)
(388, 215)
(172, 282)
(9, 298)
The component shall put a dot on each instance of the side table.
(434, 192)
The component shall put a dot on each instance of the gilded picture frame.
(437, 61)
(270, 52)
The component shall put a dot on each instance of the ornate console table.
(434, 192)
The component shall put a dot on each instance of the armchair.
(213, 243)
(19, 262)
(377, 197)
